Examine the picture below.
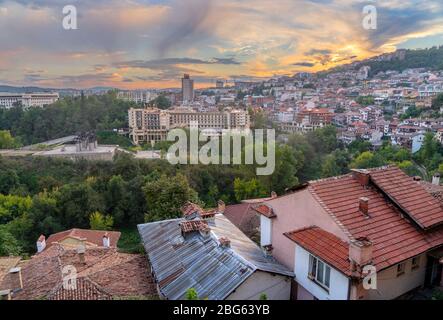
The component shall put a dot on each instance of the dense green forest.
(431, 58)
(66, 117)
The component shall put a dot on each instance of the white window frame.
(319, 272)
(401, 269)
(416, 265)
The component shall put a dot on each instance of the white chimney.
(221, 206)
(41, 243)
(81, 249)
(360, 251)
(106, 240)
(436, 179)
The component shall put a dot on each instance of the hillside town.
(314, 241)
(221, 159)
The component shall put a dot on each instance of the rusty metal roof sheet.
(201, 263)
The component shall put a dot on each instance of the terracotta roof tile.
(393, 234)
(244, 217)
(105, 273)
(265, 210)
(424, 209)
(323, 245)
(93, 237)
(194, 225)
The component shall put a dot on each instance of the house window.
(319, 272)
(401, 267)
(415, 263)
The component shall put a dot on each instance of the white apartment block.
(26, 100)
(430, 90)
(137, 96)
(153, 124)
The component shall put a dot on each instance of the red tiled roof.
(194, 225)
(395, 238)
(265, 210)
(324, 245)
(105, 273)
(409, 195)
(190, 208)
(92, 236)
(85, 289)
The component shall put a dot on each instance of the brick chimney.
(41, 243)
(106, 240)
(221, 206)
(205, 231)
(362, 176)
(267, 250)
(364, 205)
(360, 252)
(16, 279)
(81, 250)
(224, 242)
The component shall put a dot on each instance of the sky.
(137, 44)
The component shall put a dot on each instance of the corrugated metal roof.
(199, 263)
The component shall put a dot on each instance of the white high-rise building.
(187, 89)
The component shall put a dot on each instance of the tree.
(263, 296)
(329, 167)
(161, 102)
(12, 207)
(98, 221)
(437, 103)
(365, 100)
(408, 167)
(248, 189)
(7, 141)
(287, 164)
(75, 202)
(324, 140)
(367, 160)
(9, 246)
(116, 199)
(9, 180)
(191, 294)
(166, 195)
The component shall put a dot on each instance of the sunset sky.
(151, 43)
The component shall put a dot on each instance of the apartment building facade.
(153, 124)
(26, 100)
(141, 97)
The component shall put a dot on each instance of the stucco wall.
(389, 286)
(265, 231)
(296, 211)
(276, 287)
(339, 283)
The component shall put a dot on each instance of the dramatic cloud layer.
(151, 43)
